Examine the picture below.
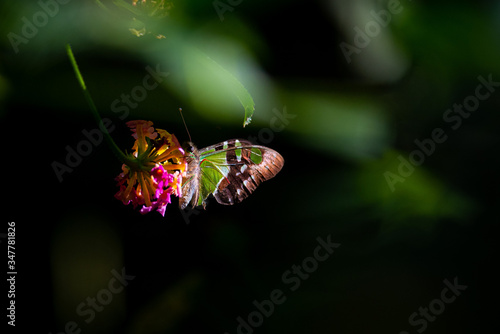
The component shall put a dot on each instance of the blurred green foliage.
(349, 122)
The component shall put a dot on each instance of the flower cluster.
(154, 171)
(147, 12)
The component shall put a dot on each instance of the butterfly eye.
(190, 150)
(191, 147)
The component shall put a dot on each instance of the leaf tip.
(248, 116)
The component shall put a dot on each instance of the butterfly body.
(230, 170)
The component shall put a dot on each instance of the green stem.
(112, 145)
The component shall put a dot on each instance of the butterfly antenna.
(183, 121)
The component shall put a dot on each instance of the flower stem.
(112, 145)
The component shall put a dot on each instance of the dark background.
(199, 271)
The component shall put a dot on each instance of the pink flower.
(155, 171)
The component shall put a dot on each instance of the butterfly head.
(190, 149)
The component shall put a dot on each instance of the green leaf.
(233, 84)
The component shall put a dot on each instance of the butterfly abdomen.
(190, 187)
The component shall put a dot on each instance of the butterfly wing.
(233, 169)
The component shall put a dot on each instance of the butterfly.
(230, 170)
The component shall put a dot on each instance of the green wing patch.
(214, 168)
